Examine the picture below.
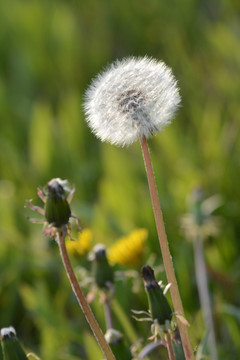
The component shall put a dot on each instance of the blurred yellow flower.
(128, 250)
(82, 245)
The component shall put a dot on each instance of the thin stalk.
(108, 314)
(167, 259)
(204, 295)
(169, 345)
(82, 301)
(124, 320)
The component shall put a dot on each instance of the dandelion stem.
(167, 259)
(169, 345)
(82, 300)
(204, 296)
(108, 314)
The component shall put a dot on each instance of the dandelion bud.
(57, 209)
(11, 347)
(102, 271)
(158, 304)
(119, 347)
(132, 99)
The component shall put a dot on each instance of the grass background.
(49, 52)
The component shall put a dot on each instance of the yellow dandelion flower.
(128, 250)
(82, 245)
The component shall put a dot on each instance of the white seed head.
(132, 99)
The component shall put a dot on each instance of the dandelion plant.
(133, 99)
(57, 213)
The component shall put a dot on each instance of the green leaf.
(1, 353)
(202, 353)
(231, 310)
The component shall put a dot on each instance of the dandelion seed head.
(131, 99)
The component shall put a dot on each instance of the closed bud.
(11, 347)
(102, 271)
(57, 209)
(158, 304)
(119, 347)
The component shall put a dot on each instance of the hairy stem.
(169, 345)
(82, 301)
(204, 296)
(167, 259)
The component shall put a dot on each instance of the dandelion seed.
(132, 99)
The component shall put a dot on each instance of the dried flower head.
(200, 220)
(56, 211)
(132, 99)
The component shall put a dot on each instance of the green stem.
(82, 301)
(169, 345)
(204, 295)
(108, 314)
(167, 259)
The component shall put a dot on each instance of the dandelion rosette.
(132, 99)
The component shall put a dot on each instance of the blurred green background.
(49, 52)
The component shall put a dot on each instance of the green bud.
(57, 209)
(158, 304)
(119, 348)
(102, 271)
(11, 347)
